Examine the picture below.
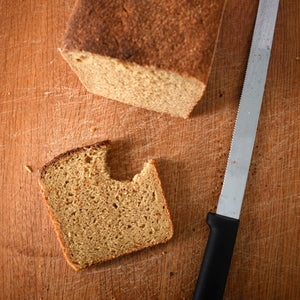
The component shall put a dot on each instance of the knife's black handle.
(217, 257)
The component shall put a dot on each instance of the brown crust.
(105, 143)
(175, 35)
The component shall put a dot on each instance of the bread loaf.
(152, 54)
(97, 218)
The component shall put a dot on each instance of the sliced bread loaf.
(97, 218)
(152, 54)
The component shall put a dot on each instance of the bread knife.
(224, 223)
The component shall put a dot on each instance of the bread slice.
(152, 54)
(97, 218)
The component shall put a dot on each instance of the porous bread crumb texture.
(152, 54)
(98, 218)
(146, 87)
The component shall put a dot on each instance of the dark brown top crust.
(175, 35)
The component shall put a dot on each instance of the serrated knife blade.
(238, 164)
(224, 224)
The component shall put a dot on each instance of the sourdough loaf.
(97, 218)
(152, 54)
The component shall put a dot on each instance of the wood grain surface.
(44, 110)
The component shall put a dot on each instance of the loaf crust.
(175, 35)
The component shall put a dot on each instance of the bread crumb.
(90, 243)
(93, 129)
(9, 93)
(297, 58)
(28, 169)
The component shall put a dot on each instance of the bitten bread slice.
(152, 54)
(97, 218)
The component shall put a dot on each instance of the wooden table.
(44, 111)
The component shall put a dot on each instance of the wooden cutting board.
(44, 111)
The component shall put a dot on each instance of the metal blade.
(237, 169)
